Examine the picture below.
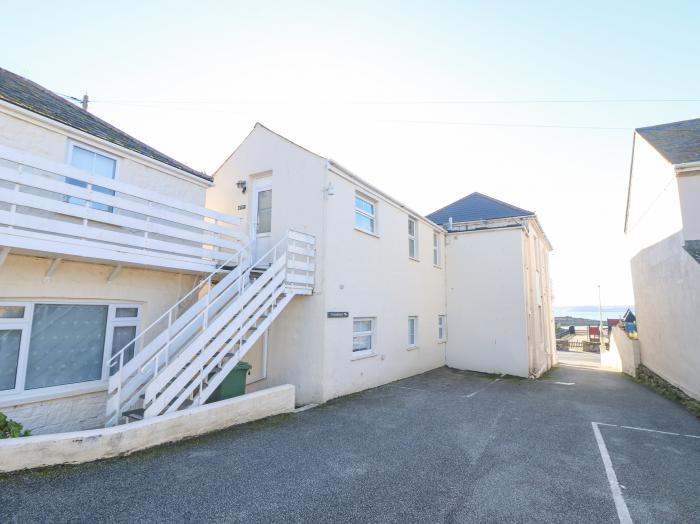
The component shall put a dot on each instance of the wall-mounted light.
(242, 185)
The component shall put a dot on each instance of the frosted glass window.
(264, 211)
(11, 311)
(95, 164)
(363, 334)
(66, 344)
(9, 356)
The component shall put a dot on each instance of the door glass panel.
(122, 336)
(9, 355)
(264, 211)
(66, 345)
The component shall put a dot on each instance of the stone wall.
(74, 413)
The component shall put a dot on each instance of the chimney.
(85, 101)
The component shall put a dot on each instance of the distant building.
(662, 225)
(499, 253)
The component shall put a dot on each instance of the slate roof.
(29, 95)
(476, 207)
(677, 142)
(693, 249)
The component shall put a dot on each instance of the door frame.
(262, 184)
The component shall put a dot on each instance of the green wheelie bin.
(233, 385)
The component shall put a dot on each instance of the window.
(437, 258)
(264, 224)
(95, 164)
(412, 238)
(442, 328)
(363, 335)
(365, 219)
(412, 332)
(49, 345)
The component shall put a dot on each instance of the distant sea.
(590, 312)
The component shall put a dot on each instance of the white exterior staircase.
(190, 350)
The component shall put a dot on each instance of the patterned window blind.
(66, 344)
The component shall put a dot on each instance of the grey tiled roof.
(693, 249)
(677, 142)
(29, 95)
(476, 207)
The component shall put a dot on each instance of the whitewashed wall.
(666, 279)
(376, 275)
(373, 276)
(486, 303)
(295, 338)
(666, 283)
(540, 313)
(654, 206)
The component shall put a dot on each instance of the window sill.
(370, 233)
(411, 348)
(413, 258)
(362, 356)
(443, 341)
(54, 393)
(437, 266)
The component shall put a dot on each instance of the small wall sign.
(338, 314)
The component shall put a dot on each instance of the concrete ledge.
(623, 354)
(85, 446)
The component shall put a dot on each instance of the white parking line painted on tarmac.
(646, 430)
(482, 389)
(623, 513)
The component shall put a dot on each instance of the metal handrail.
(239, 280)
(169, 312)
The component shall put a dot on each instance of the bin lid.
(242, 366)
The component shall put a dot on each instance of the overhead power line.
(410, 102)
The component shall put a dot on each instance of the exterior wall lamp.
(242, 185)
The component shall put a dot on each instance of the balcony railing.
(44, 209)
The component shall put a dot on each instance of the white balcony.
(106, 221)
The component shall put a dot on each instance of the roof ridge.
(452, 203)
(504, 203)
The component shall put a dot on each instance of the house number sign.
(338, 314)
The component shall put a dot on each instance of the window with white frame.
(96, 164)
(412, 332)
(442, 328)
(437, 255)
(363, 335)
(412, 238)
(61, 345)
(365, 214)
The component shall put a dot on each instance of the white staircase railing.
(185, 362)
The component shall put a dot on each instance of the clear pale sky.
(376, 87)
